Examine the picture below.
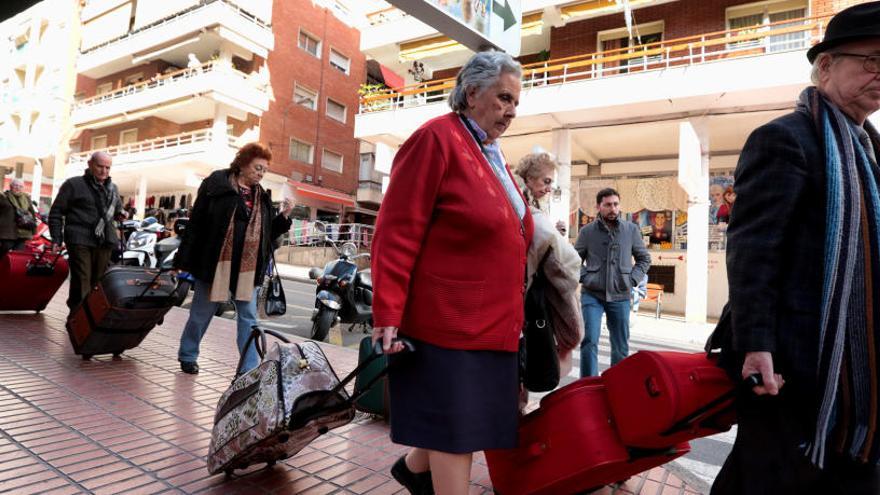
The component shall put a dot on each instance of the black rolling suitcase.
(121, 310)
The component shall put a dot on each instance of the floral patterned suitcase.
(276, 409)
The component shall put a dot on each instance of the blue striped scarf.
(847, 421)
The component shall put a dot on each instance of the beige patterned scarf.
(244, 289)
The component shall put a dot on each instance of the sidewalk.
(139, 426)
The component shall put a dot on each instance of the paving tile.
(138, 426)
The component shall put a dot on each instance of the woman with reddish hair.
(226, 246)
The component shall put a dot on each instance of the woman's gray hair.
(480, 72)
(16, 182)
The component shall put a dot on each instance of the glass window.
(305, 97)
(128, 136)
(339, 61)
(300, 151)
(310, 44)
(335, 110)
(99, 142)
(331, 161)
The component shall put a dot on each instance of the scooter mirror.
(314, 273)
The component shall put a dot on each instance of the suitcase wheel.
(87, 357)
(228, 473)
(270, 463)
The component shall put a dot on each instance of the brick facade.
(290, 65)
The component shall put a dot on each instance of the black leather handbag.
(276, 302)
(539, 361)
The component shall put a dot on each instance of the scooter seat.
(364, 279)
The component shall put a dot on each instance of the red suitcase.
(29, 279)
(662, 398)
(569, 445)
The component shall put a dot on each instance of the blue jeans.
(617, 313)
(200, 315)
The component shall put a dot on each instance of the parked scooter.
(343, 295)
(140, 248)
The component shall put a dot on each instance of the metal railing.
(385, 15)
(170, 79)
(176, 140)
(180, 16)
(305, 233)
(788, 35)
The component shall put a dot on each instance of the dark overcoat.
(215, 203)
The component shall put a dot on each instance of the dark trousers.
(10, 245)
(87, 265)
(768, 456)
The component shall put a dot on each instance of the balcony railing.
(178, 17)
(178, 141)
(385, 15)
(167, 80)
(793, 34)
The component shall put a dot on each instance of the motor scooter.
(344, 294)
(140, 248)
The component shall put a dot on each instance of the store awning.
(324, 194)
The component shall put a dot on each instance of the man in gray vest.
(83, 217)
(608, 246)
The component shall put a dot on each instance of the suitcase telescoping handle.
(376, 354)
(153, 282)
(708, 410)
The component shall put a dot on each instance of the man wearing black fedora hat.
(803, 262)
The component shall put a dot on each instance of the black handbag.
(24, 219)
(276, 302)
(539, 361)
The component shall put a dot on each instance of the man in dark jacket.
(608, 275)
(803, 270)
(83, 216)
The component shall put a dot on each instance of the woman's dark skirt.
(454, 401)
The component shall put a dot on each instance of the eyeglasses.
(871, 63)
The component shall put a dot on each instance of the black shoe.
(189, 367)
(416, 483)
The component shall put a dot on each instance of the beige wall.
(107, 26)
(150, 11)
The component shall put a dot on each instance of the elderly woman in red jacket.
(449, 258)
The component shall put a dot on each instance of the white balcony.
(369, 192)
(684, 76)
(182, 96)
(201, 29)
(172, 161)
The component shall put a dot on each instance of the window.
(103, 88)
(755, 18)
(620, 41)
(99, 142)
(339, 61)
(310, 44)
(331, 161)
(335, 110)
(128, 136)
(300, 151)
(305, 97)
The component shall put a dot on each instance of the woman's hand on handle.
(386, 335)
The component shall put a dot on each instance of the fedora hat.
(852, 24)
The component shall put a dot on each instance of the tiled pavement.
(138, 426)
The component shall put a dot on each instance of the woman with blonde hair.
(552, 254)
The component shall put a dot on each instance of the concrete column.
(140, 199)
(36, 180)
(560, 210)
(219, 126)
(693, 175)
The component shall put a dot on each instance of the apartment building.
(656, 100)
(173, 89)
(37, 79)
(316, 70)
